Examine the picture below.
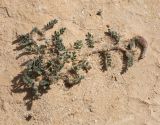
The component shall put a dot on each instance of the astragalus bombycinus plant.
(49, 57)
(51, 60)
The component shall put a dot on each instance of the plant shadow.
(19, 87)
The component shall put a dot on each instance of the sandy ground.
(131, 99)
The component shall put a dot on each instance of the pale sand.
(134, 99)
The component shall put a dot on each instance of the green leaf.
(78, 44)
(90, 40)
(50, 25)
(114, 35)
(26, 79)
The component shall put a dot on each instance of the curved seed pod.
(139, 40)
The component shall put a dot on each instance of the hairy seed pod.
(139, 40)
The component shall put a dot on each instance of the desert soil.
(102, 98)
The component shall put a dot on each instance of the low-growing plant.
(49, 60)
